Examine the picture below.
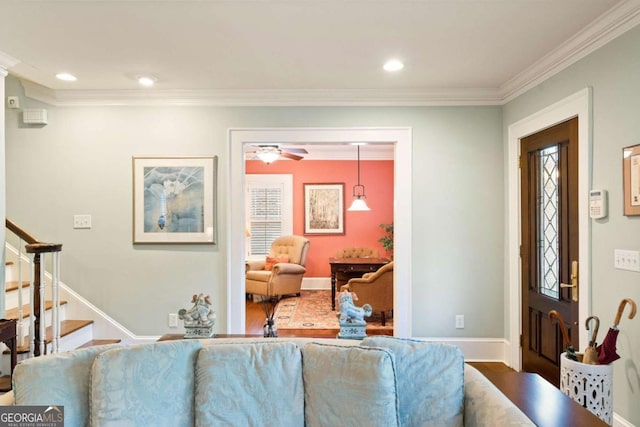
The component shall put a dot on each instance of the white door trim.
(401, 138)
(576, 105)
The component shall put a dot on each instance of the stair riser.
(11, 298)
(26, 321)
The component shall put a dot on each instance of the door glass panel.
(548, 243)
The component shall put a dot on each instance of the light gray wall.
(614, 74)
(80, 163)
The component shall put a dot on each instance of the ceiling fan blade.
(290, 156)
(296, 150)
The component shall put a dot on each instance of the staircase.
(50, 312)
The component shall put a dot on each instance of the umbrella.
(607, 350)
(571, 353)
(590, 353)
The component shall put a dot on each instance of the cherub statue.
(349, 313)
(200, 314)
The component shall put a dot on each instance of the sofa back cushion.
(256, 384)
(430, 381)
(349, 386)
(145, 385)
(60, 379)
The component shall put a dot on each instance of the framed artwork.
(631, 179)
(173, 199)
(324, 208)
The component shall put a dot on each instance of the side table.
(8, 336)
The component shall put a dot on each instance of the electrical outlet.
(82, 221)
(173, 320)
(459, 321)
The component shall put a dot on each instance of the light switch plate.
(626, 260)
(82, 221)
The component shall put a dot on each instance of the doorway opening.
(399, 137)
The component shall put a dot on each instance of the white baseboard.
(475, 349)
(316, 284)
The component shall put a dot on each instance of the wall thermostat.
(598, 204)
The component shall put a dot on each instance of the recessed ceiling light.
(393, 65)
(66, 77)
(147, 81)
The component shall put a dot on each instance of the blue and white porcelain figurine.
(199, 319)
(352, 324)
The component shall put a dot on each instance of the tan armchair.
(375, 289)
(357, 252)
(285, 277)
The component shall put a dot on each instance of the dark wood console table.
(8, 336)
(542, 402)
(354, 267)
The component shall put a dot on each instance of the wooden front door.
(549, 251)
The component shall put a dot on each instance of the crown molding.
(615, 22)
(619, 19)
(7, 61)
(256, 98)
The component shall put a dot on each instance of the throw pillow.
(430, 381)
(271, 261)
(349, 386)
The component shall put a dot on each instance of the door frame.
(576, 105)
(400, 137)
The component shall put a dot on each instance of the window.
(269, 210)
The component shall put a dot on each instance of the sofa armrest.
(288, 268)
(7, 399)
(485, 405)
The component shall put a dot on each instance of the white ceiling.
(300, 52)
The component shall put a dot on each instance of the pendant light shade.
(358, 203)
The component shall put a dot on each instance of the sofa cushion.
(59, 379)
(148, 384)
(249, 384)
(430, 381)
(349, 386)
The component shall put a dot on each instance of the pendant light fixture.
(358, 193)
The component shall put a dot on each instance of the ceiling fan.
(270, 153)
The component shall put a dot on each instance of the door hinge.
(520, 161)
(521, 250)
(521, 340)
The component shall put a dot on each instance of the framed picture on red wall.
(324, 208)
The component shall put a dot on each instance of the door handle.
(574, 281)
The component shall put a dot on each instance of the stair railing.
(37, 251)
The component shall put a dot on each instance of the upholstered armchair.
(282, 270)
(375, 289)
(357, 252)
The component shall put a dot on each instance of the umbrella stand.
(607, 350)
(571, 353)
(590, 353)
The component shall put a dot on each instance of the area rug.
(312, 310)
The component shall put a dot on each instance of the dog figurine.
(349, 313)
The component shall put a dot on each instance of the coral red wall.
(361, 228)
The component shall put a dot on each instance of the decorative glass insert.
(548, 233)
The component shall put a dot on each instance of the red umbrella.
(607, 350)
(571, 353)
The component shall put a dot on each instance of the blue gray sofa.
(380, 381)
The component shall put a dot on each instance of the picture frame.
(174, 199)
(631, 179)
(324, 209)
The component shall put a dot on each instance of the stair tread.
(12, 285)
(12, 313)
(100, 342)
(66, 328)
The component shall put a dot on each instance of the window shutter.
(266, 218)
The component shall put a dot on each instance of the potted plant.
(387, 239)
